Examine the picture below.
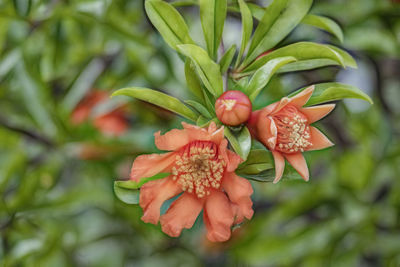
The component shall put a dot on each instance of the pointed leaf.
(325, 24)
(128, 196)
(247, 28)
(207, 69)
(279, 19)
(263, 75)
(258, 160)
(200, 108)
(227, 58)
(192, 80)
(302, 51)
(212, 15)
(326, 92)
(168, 22)
(159, 99)
(240, 141)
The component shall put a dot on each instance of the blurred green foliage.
(57, 204)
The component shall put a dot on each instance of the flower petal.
(279, 165)
(196, 133)
(182, 214)
(239, 191)
(316, 113)
(302, 98)
(266, 130)
(218, 217)
(281, 104)
(150, 165)
(299, 163)
(231, 159)
(217, 136)
(171, 140)
(318, 140)
(152, 196)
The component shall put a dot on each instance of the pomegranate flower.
(284, 128)
(202, 168)
(112, 123)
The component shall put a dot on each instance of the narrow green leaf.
(240, 141)
(159, 99)
(130, 184)
(247, 28)
(168, 22)
(268, 175)
(326, 92)
(325, 24)
(207, 69)
(200, 108)
(227, 58)
(263, 75)
(302, 51)
(279, 19)
(192, 80)
(212, 15)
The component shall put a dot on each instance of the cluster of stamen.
(293, 130)
(199, 168)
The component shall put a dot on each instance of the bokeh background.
(59, 154)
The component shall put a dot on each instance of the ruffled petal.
(171, 140)
(231, 159)
(150, 165)
(279, 165)
(182, 214)
(281, 104)
(196, 133)
(218, 217)
(318, 140)
(316, 113)
(267, 131)
(239, 191)
(299, 163)
(153, 194)
(302, 98)
(217, 136)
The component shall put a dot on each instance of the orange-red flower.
(284, 128)
(202, 168)
(111, 123)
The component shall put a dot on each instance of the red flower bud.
(233, 108)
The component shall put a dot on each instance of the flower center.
(293, 130)
(199, 168)
(229, 103)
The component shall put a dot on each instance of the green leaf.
(130, 184)
(326, 92)
(268, 175)
(128, 191)
(128, 196)
(258, 160)
(212, 15)
(207, 69)
(279, 19)
(303, 51)
(227, 58)
(159, 99)
(247, 28)
(200, 108)
(168, 22)
(192, 80)
(263, 75)
(325, 24)
(240, 141)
